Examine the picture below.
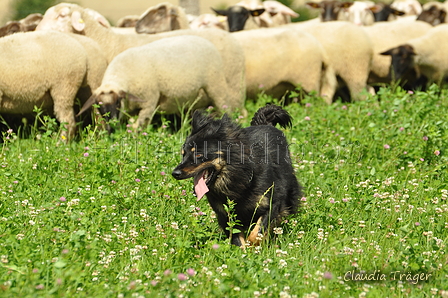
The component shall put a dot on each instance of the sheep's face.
(330, 9)
(110, 104)
(237, 16)
(56, 18)
(402, 61)
(433, 15)
(66, 17)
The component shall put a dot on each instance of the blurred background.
(115, 9)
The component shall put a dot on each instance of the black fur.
(249, 166)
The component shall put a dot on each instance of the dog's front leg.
(238, 240)
(254, 237)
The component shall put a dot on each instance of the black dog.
(249, 166)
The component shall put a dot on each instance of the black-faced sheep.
(43, 69)
(166, 75)
(383, 12)
(386, 35)
(421, 59)
(253, 14)
(67, 17)
(433, 13)
(330, 9)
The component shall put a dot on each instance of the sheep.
(44, 69)
(421, 59)
(127, 21)
(349, 51)
(29, 23)
(161, 18)
(384, 12)
(386, 35)
(409, 7)
(73, 18)
(289, 58)
(359, 13)
(208, 20)
(330, 9)
(279, 13)
(165, 75)
(253, 14)
(238, 16)
(433, 13)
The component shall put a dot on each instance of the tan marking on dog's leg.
(243, 241)
(253, 236)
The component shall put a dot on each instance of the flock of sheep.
(166, 60)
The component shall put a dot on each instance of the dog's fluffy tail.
(272, 115)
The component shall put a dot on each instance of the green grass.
(102, 216)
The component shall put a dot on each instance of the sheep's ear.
(98, 17)
(77, 21)
(376, 8)
(87, 104)
(389, 52)
(314, 4)
(257, 12)
(174, 12)
(345, 4)
(397, 12)
(219, 11)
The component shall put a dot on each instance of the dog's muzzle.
(177, 174)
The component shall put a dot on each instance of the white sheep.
(208, 20)
(349, 51)
(67, 17)
(288, 59)
(166, 75)
(409, 7)
(424, 56)
(386, 35)
(43, 69)
(161, 18)
(359, 13)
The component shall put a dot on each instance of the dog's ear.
(200, 121)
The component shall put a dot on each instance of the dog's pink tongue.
(200, 188)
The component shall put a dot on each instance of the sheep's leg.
(64, 112)
(146, 113)
(328, 83)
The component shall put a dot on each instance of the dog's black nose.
(176, 173)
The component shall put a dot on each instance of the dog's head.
(205, 151)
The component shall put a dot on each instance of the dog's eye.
(199, 155)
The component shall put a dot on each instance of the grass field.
(102, 216)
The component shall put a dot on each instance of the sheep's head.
(402, 61)
(433, 15)
(66, 17)
(109, 103)
(329, 9)
(238, 15)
